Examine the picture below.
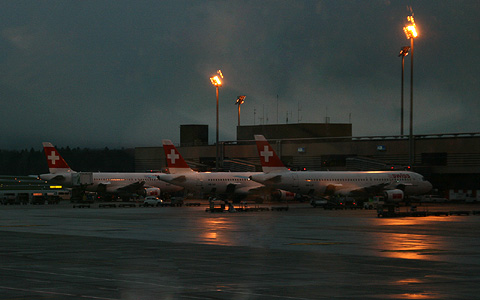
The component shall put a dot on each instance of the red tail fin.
(56, 163)
(269, 159)
(175, 161)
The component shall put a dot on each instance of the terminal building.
(449, 161)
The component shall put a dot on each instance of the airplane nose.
(429, 186)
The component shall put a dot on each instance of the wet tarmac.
(60, 252)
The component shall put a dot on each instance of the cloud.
(99, 74)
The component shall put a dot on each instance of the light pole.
(217, 82)
(411, 33)
(403, 53)
(240, 101)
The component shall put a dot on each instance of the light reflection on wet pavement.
(341, 232)
(257, 255)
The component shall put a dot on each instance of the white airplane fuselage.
(218, 182)
(344, 183)
(112, 182)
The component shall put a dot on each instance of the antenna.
(277, 108)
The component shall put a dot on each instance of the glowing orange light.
(216, 81)
(411, 29)
(240, 100)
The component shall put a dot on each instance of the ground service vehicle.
(152, 201)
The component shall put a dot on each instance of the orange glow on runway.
(217, 230)
(413, 245)
(415, 296)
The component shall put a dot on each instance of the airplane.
(223, 184)
(394, 185)
(122, 184)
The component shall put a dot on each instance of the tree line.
(33, 162)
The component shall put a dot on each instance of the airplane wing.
(267, 178)
(401, 186)
(261, 189)
(376, 189)
(232, 188)
(173, 179)
(58, 178)
(371, 190)
(131, 188)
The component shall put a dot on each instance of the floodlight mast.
(217, 82)
(411, 33)
(403, 52)
(239, 102)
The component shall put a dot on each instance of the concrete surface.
(60, 252)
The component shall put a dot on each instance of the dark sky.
(129, 73)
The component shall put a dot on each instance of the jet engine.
(281, 195)
(152, 192)
(394, 195)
